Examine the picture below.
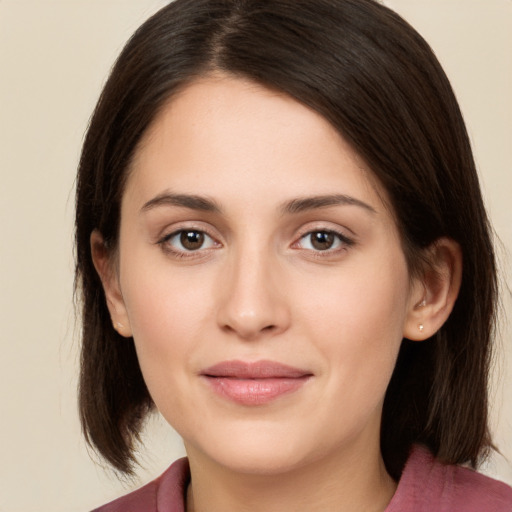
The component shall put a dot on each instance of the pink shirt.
(426, 485)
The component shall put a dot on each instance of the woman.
(280, 239)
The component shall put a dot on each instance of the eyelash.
(165, 243)
(343, 241)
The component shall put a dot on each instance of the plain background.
(54, 58)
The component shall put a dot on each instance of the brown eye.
(322, 240)
(192, 240)
(187, 241)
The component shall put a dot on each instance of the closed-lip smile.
(254, 383)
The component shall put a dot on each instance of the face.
(262, 278)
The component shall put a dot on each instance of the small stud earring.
(420, 327)
(422, 304)
(118, 325)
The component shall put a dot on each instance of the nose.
(253, 302)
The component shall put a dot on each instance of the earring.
(422, 304)
(118, 325)
(420, 327)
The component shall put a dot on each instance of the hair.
(375, 79)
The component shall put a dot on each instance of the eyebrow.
(303, 204)
(193, 202)
(315, 202)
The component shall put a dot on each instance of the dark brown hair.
(378, 83)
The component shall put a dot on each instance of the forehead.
(221, 130)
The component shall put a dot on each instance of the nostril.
(248, 331)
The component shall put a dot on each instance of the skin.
(260, 289)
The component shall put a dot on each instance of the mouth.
(254, 383)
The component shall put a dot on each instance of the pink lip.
(254, 383)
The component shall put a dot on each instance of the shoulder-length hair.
(375, 79)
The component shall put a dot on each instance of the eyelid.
(186, 225)
(331, 227)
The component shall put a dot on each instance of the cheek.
(165, 321)
(166, 313)
(363, 297)
(357, 322)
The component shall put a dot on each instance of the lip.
(254, 383)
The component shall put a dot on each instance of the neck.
(348, 480)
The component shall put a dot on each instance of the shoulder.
(166, 493)
(427, 485)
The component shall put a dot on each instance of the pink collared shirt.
(426, 485)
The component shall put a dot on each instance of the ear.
(106, 268)
(435, 292)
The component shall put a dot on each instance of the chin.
(260, 462)
(257, 451)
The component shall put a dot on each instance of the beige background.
(54, 57)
